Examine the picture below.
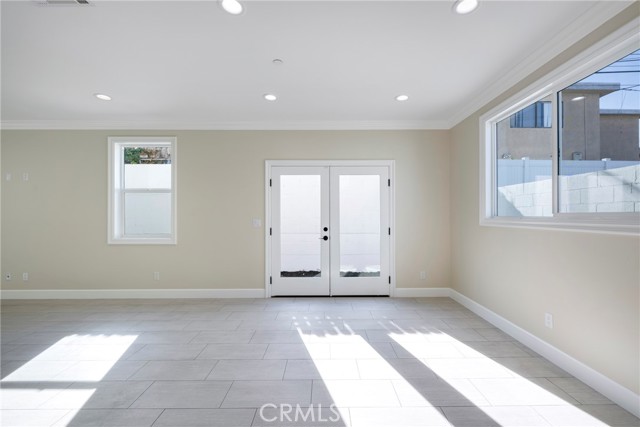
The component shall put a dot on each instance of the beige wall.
(54, 226)
(589, 282)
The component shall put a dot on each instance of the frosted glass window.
(142, 196)
(147, 213)
(359, 225)
(300, 238)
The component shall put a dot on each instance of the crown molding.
(579, 28)
(241, 125)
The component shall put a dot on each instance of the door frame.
(269, 164)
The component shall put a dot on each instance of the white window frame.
(620, 43)
(116, 234)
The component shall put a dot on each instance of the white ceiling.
(183, 64)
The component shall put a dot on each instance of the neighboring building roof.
(600, 88)
(620, 113)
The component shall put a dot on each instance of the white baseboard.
(421, 292)
(131, 293)
(602, 384)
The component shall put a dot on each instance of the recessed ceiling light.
(232, 6)
(278, 61)
(578, 98)
(402, 97)
(463, 7)
(102, 96)
(270, 97)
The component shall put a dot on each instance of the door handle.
(324, 238)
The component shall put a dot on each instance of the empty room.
(367, 213)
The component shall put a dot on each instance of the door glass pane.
(147, 213)
(300, 238)
(359, 225)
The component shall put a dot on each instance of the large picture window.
(142, 190)
(565, 153)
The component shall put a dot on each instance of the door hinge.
(389, 231)
(270, 182)
(389, 279)
(389, 183)
(271, 280)
(270, 231)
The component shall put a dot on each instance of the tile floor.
(361, 362)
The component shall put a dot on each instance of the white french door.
(330, 230)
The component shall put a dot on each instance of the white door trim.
(301, 163)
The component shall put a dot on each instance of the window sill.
(623, 224)
(143, 241)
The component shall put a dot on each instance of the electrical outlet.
(423, 275)
(25, 277)
(156, 275)
(257, 222)
(25, 176)
(548, 320)
(7, 276)
(7, 176)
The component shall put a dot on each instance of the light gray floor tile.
(362, 350)
(183, 394)
(233, 351)
(205, 418)
(166, 337)
(254, 394)
(521, 392)
(110, 418)
(491, 349)
(347, 315)
(580, 391)
(395, 314)
(277, 337)
(298, 351)
(248, 370)
(36, 370)
(418, 350)
(587, 416)
(265, 325)
(438, 392)
(398, 417)
(531, 367)
(187, 370)
(393, 369)
(468, 368)
(321, 370)
(494, 334)
(212, 325)
(468, 322)
(28, 395)
(494, 416)
(354, 393)
(309, 416)
(168, 352)
(253, 315)
(224, 337)
(301, 316)
(88, 371)
(86, 354)
(27, 418)
(102, 395)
